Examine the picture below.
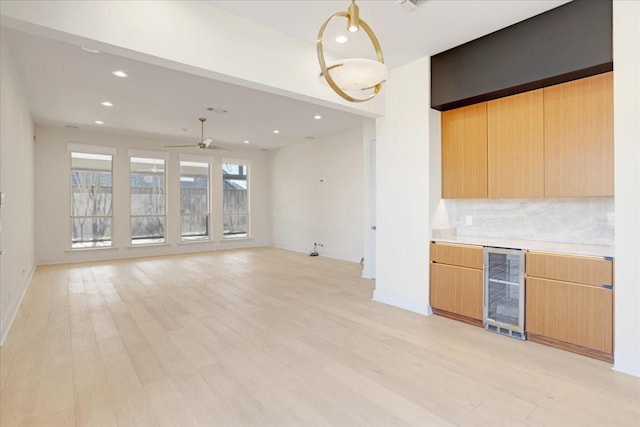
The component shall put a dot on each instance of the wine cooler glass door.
(504, 291)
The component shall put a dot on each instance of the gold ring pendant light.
(354, 23)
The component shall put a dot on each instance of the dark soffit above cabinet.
(566, 43)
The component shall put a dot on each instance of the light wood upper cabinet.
(551, 142)
(464, 152)
(578, 137)
(515, 146)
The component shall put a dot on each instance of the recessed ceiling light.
(342, 38)
(119, 73)
(276, 131)
(98, 122)
(317, 117)
(106, 104)
(88, 49)
(246, 141)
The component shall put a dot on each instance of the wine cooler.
(504, 291)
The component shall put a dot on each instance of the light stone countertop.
(531, 245)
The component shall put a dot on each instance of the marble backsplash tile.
(568, 220)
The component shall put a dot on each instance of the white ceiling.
(432, 27)
(64, 84)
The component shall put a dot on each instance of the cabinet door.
(457, 254)
(595, 271)
(578, 137)
(457, 290)
(464, 152)
(515, 146)
(570, 312)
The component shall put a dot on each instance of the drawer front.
(454, 254)
(569, 312)
(456, 290)
(595, 271)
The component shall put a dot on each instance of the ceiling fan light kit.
(353, 74)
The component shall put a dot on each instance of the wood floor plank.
(207, 406)
(168, 405)
(405, 409)
(267, 337)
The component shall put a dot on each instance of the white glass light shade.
(357, 73)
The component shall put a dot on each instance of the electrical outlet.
(468, 220)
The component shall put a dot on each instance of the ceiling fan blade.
(215, 147)
(173, 146)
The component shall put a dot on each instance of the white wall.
(626, 122)
(16, 183)
(369, 215)
(317, 196)
(52, 188)
(403, 185)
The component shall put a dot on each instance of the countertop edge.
(531, 245)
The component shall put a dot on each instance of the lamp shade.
(357, 73)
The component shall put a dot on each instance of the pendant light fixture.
(353, 74)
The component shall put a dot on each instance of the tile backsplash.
(568, 220)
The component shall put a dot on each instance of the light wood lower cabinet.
(460, 255)
(456, 281)
(457, 290)
(572, 307)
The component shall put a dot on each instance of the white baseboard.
(10, 316)
(340, 257)
(400, 302)
(627, 364)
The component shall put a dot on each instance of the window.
(194, 201)
(91, 200)
(147, 201)
(235, 200)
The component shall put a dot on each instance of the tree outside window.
(194, 201)
(91, 200)
(235, 201)
(147, 201)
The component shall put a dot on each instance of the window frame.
(151, 156)
(209, 162)
(82, 244)
(247, 165)
(91, 150)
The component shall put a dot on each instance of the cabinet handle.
(607, 286)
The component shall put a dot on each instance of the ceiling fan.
(204, 144)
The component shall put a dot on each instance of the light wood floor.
(274, 338)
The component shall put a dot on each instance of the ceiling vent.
(410, 5)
